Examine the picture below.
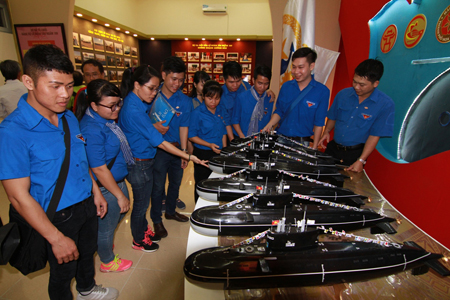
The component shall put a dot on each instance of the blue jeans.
(165, 163)
(108, 224)
(78, 222)
(140, 176)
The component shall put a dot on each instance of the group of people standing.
(104, 152)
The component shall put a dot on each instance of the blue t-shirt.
(207, 126)
(228, 99)
(183, 105)
(30, 146)
(309, 112)
(102, 145)
(243, 110)
(355, 121)
(138, 128)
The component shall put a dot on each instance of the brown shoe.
(177, 217)
(160, 230)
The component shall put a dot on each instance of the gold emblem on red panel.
(415, 31)
(443, 26)
(388, 38)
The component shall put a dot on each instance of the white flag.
(298, 31)
(326, 59)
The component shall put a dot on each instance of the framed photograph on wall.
(105, 74)
(217, 68)
(118, 48)
(119, 75)
(193, 56)
(29, 35)
(88, 55)
(181, 55)
(190, 78)
(246, 57)
(86, 42)
(246, 68)
(134, 51)
(112, 74)
(247, 78)
(119, 62)
(219, 56)
(134, 62)
(190, 88)
(98, 45)
(127, 62)
(184, 90)
(111, 61)
(127, 50)
(221, 79)
(193, 67)
(76, 40)
(207, 56)
(207, 67)
(78, 57)
(109, 46)
(101, 58)
(232, 56)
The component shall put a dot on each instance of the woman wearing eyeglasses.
(140, 86)
(108, 154)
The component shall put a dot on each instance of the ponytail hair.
(96, 90)
(141, 74)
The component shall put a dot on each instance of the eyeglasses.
(152, 89)
(115, 106)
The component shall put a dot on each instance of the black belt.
(101, 185)
(301, 139)
(348, 148)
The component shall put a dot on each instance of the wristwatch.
(362, 160)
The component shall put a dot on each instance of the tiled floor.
(157, 275)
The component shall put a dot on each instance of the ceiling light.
(117, 28)
(186, 39)
(238, 39)
(79, 15)
(221, 39)
(152, 38)
(127, 32)
(203, 39)
(94, 20)
(107, 25)
(135, 34)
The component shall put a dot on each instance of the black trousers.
(202, 172)
(347, 157)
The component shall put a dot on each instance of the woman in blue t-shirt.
(207, 128)
(108, 154)
(140, 86)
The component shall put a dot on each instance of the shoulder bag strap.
(297, 100)
(61, 181)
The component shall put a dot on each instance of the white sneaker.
(99, 293)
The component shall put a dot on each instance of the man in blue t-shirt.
(32, 150)
(302, 103)
(173, 72)
(253, 108)
(360, 115)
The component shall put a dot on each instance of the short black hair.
(93, 62)
(263, 70)
(212, 89)
(232, 69)
(43, 58)
(307, 52)
(199, 76)
(77, 78)
(96, 90)
(141, 75)
(173, 64)
(372, 69)
(10, 69)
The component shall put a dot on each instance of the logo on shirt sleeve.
(80, 137)
(366, 116)
(309, 103)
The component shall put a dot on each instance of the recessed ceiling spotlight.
(94, 20)
(221, 39)
(135, 34)
(107, 25)
(238, 39)
(127, 32)
(79, 15)
(186, 39)
(117, 28)
(203, 39)
(152, 38)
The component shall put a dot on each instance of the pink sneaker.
(152, 235)
(117, 265)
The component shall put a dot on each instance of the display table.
(399, 286)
